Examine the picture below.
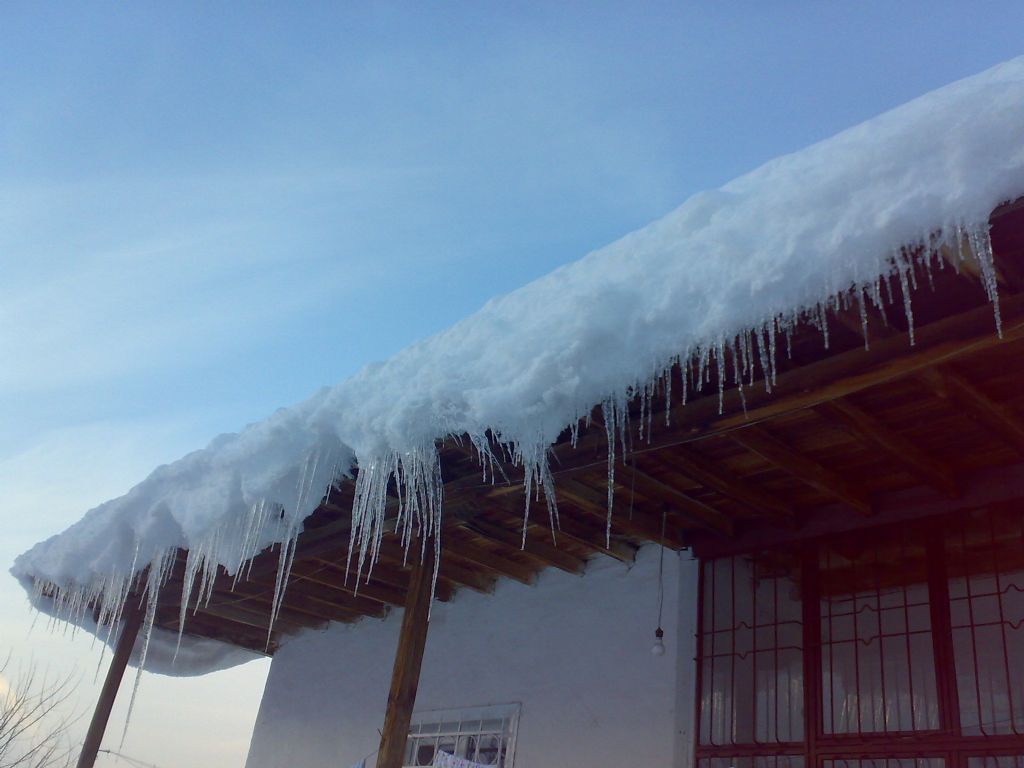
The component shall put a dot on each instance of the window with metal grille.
(900, 646)
(986, 601)
(752, 660)
(485, 735)
(754, 761)
(877, 664)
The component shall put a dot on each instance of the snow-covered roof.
(799, 233)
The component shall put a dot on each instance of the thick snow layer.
(729, 268)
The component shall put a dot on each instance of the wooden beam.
(594, 539)
(245, 612)
(344, 601)
(1000, 420)
(776, 452)
(695, 511)
(639, 524)
(459, 546)
(1006, 208)
(392, 552)
(540, 550)
(132, 621)
(405, 677)
(711, 475)
(329, 576)
(250, 604)
(217, 628)
(865, 426)
(384, 573)
(643, 525)
(579, 533)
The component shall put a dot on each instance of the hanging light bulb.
(658, 649)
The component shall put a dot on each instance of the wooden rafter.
(776, 452)
(868, 428)
(330, 579)
(451, 569)
(227, 631)
(595, 540)
(1000, 420)
(330, 570)
(631, 522)
(347, 602)
(692, 510)
(488, 560)
(711, 475)
(542, 551)
(508, 513)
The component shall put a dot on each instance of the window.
(752, 641)
(899, 646)
(485, 735)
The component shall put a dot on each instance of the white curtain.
(445, 760)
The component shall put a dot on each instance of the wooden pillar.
(405, 677)
(133, 615)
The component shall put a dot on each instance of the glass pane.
(996, 761)
(757, 761)
(878, 672)
(424, 754)
(751, 650)
(887, 762)
(985, 555)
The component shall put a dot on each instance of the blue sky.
(207, 211)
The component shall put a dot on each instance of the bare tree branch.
(34, 724)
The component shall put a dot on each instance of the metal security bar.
(877, 664)
(485, 735)
(897, 647)
(986, 600)
(752, 651)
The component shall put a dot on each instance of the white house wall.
(574, 651)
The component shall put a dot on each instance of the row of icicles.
(416, 514)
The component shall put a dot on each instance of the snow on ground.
(733, 267)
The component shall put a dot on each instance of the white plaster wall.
(574, 651)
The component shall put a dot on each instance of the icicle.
(608, 410)
(981, 246)
(887, 282)
(823, 322)
(926, 261)
(737, 373)
(911, 273)
(748, 362)
(901, 272)
(668, 388)
(702, 364)
(863, 311)
(766, 363)
(720, 369)
(156, 577)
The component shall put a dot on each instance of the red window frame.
(949, 741)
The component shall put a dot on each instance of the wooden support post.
(133, 615)
(405, 678)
